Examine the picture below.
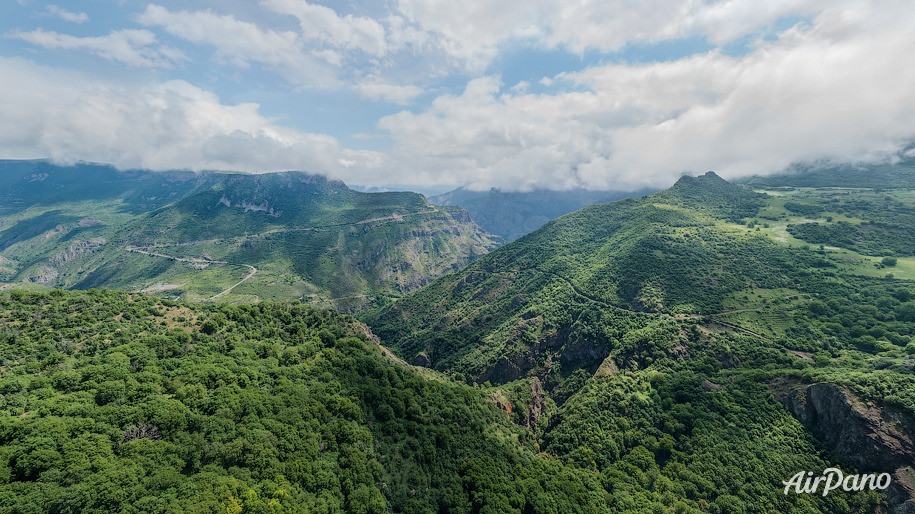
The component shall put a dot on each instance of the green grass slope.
(235, 237)
(28, 184)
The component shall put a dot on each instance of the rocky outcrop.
(250, 206)
(538, 404)
(421, 360)
(512, 365)
(75, 250)
(44, 275)
(529, 351)
(6, 265)
(868, 437)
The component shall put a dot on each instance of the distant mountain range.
(511, 215)
(879, 176)
(214, 235)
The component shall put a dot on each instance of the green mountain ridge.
(199, 236)
(688, 351)
(836, 175)
(606, 260)
(666, 327)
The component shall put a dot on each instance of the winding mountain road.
(197, 260)
(146, 249)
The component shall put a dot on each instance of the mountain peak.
(709, 177)
(710, 192)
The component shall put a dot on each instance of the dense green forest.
(113, 402)
(118, 403)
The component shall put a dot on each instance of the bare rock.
(865, 436)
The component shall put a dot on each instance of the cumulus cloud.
(138, 48)
(324, 24)
(833, 86)
(835, 89)
(475, 31)
(314, 57)
(241, 43)
(158, 126)
(471, 32)
(70, 16)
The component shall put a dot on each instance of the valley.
(510, 215)
(200, 236)
(687, 350)
(430, 257)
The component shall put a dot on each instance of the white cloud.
(301, 58)
(475, 31)
(138, 48)
(238, 41)
(158, 126)
(835, 89)
(472, 31)
(72, 17)
(834, 86)
(316, 57)
(375, 90)
(323, 24)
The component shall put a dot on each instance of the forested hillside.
(681, 352)
(683, 331)
(840, 175)
(219, 236)
(120, 403)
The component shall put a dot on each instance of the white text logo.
(832, 479)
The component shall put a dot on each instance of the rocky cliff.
(868, 437)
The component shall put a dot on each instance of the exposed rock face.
(608, 368)
(867, 437)
(538, 403)
(422, 360)
(522, 355)
(75, 250)
(511, 366)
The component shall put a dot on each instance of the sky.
(436, 94)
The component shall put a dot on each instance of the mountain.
(687, 348)
(880, 176)
(608, 262)
(113, 402)
(685, 351)
(511, 215)
(866, 209)
(218, 235)
(35, 184)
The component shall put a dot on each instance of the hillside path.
(197, 260)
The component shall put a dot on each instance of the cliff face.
(870, 438)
